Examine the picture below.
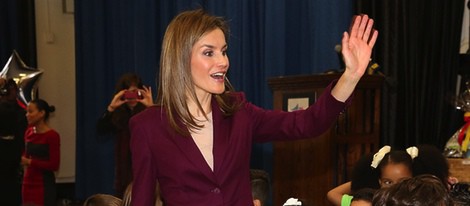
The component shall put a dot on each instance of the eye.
(208, 53)
(386, 183)
(224, 52)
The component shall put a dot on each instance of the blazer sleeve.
(143, 166)
(272, 125)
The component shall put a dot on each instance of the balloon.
(25, 77)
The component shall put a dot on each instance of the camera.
(132, 95)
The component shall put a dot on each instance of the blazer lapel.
(221, 136)
(189, 148)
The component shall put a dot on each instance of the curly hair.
(421, 190)
(430, 160)
(365, 176)
(260, 185)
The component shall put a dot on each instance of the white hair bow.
(292, 201)
(380, 155)
(412, 151)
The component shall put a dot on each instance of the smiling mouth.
(218, 75)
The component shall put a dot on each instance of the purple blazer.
(159, 153)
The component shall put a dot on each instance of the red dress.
(39, 178)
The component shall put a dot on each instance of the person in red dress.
(41, 157)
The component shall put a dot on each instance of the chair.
(102, 200)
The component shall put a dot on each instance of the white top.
(204, 139)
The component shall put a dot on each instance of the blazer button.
(216, 190)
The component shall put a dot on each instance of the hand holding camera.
(132, 95)
(143, 96)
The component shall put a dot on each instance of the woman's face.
(393, 173)
(33, 115)
(209, 63)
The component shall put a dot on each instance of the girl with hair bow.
(388, 167)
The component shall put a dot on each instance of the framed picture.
(298, 101)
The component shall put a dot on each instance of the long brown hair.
(175, 81)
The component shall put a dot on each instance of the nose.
(222, 61)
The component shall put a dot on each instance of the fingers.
(344, 41)
(147, 96)
(362, 28)
(119, 94)
(117, 100)
(373, 39)
(146, 91)
(355, 26)
(367, 29)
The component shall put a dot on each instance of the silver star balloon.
(25, 77)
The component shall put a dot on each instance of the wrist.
(351, 77)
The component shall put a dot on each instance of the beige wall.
(465, 37)
(56, 56)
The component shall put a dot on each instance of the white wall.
(465, 37)
(56, 56)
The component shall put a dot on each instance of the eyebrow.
(212, 46)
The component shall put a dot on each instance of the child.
(260, 185)
(363, 197)
(381, 170)
(421, 190)
(424, 159)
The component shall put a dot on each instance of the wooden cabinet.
(459, 167)
(308, 169)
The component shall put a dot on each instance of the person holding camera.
(130, 98)
(12, 128)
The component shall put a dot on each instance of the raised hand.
(147, 99)
(116, 101)
(357, 45)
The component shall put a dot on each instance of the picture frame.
(298, 101)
